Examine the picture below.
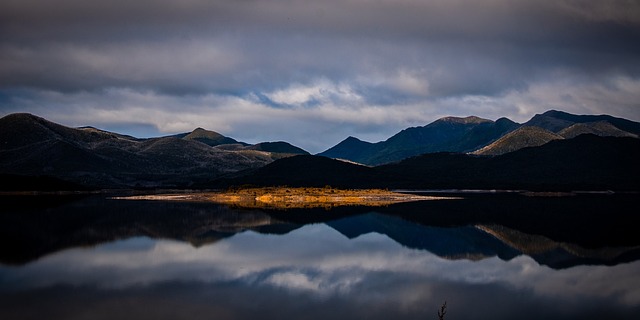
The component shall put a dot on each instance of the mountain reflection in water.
(97, 258)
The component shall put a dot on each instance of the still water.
(94, 258)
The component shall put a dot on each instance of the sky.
(314, 72)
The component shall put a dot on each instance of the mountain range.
(449, 134)
(480, 136)
(553, 150)
(33, 146)
(587, 162)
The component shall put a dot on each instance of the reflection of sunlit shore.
(291, 198)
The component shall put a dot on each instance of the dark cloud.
(388, 53)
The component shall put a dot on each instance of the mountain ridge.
(33, 146)
(600, 128)
(523, 137)
(415, 157)
(471, 134)
(587, 162)
(210, 138)
(445, 134)
(554, 120)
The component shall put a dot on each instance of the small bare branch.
(442, 311)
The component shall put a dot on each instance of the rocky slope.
(522, 137)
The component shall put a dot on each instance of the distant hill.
(555, 121)
(449, 134)
(600, 128)
(553, 125)
(103, 132)
(211, 138)
(352, 149)
(277, 147)
(586, 162)
(522, 137)
(31, 146)
(480, 136)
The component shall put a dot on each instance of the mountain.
(600, 128)
(553, 125)
(278, 147)
(32, 146)
(587, 162)
(277, 150)
(555, 121)
(522, 137)
(97, 131)
(480, 136)
(50, 155)
(350, 148)
(211, 138)
(449, 134)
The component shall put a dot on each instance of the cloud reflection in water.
(316, 267)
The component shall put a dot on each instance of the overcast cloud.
(314, 72)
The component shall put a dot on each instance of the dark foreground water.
(487, 256)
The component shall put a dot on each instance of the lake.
(488, 256)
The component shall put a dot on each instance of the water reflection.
(179, 261)
(316, 267)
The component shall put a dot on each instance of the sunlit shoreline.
(290, 198)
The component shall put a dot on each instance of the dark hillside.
(352, 149)
(587, 162)
(555, 121)
(310, 171)
(449, 134)
(278, 147)
(600, 128)
(89, 157)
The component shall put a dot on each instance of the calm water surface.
(92, 258)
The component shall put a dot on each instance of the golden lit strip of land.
(291, 198)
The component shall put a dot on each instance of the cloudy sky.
(314, 72)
